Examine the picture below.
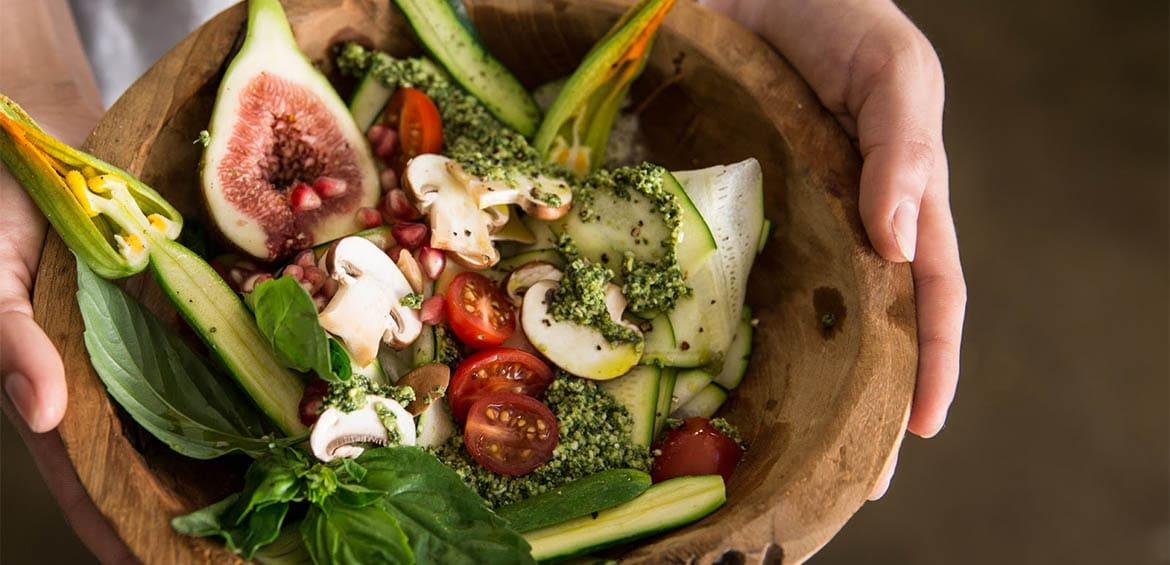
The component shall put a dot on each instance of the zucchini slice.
(448, 40)
(687, 385)
(736, 363)
(637, 391)
(662, 507)
(702, 405)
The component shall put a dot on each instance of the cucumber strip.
(446, 38)
(637, 391)
(702, 405)
(731, 200)
(228, 328)
(368, 100)
(687, 385)
(659, 341)
(665, 389)
(664, 506)
(736, 363)
(575, 499)
(435, 425)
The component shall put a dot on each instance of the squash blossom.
(110, 219)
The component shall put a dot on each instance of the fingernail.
(20, 392)
(906, 229)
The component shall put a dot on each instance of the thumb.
(896, 93)
(32, 372)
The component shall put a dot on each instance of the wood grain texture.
(823, 407)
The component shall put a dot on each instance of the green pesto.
(413, 301)
(471, 135)
(351, 395)
(447, 350)
(594, 436)
(390, 422)
(649, 286)
(580, 298)
(724, 427)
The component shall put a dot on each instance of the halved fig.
(279, 130)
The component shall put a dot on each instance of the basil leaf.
(165, 387)
(339, 361)
(445, 521)
(287, 316)
(287, 549)
(259, 529)
(205, 521)
(273, 479)
(336, 533)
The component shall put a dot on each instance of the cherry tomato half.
(420, 130)
(696, 448)
(478, 312)
(510, 433)
(496, 370)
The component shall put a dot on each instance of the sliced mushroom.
(543, 197)
(528, 274)
(457, 223)
(342, 434)
(367, 308)
(429, 383)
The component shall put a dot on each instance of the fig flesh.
(286, 167)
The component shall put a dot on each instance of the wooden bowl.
(832, 371)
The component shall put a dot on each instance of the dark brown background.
(1057, 447)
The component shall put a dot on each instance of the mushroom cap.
(337, 433)
(367, 308)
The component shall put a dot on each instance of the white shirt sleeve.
(122, 38)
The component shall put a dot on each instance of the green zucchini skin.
(664, 506)
(450, 41)
(223, 322)
(581, 497)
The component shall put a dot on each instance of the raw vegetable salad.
(448, 329)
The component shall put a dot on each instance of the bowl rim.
(139, 507)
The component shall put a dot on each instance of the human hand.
(31, 369)
(881, 78)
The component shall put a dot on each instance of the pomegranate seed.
(369, 217)
(409, 234)
(313, 402)
(294, 271)
(329, 187)
(376, 133)
(315, 277)
(389, 179)
(394, 251)
(306, 259)
(387, 145)
(433, 310)
(433, 261)
(303, 198)
(397, 207)
(329, 288)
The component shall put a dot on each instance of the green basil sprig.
(391, 505)
(287, 316)
(165, 387)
